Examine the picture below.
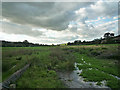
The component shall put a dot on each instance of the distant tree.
(109, 38)
(84, 41)
(106, 35)
(111, 34)
(25, 41)
(68, 43)
(76, 42)
(97, 41)
(79, 41)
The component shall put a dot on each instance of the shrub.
(18, 58)
(95, 53)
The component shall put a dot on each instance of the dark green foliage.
(25, 43)
(99, 83)
(18, 58)
(95, 53)
(103, 48)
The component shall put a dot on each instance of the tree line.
(109, 38)
(25, 43)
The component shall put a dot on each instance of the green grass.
(102, 67)
(42, 73)
(39, 79)
(9, 55)
(47, 61)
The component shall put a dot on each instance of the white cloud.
(102, 9)
(57, 22)
(12, 28)
(14, 37)
(115, 17)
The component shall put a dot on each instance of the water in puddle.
(73, 80)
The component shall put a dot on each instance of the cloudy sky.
(57, 22)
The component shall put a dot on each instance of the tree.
(25, 41)
(76, 42)
(111, 34)
(68, 43)
(106, 35)
(79, 41)
(84, 41)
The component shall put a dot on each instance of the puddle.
(73, 80)
(91, 68)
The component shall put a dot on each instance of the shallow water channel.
(73, 80)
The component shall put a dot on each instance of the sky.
(57, 22)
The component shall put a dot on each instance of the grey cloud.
(55, 16)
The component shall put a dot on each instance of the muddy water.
(73, 80)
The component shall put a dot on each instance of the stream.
(73, 80)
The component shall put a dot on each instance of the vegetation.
(46, 62)
(25, 43)
(98, 63)
(109, 38)
(94, 66)
(40, 74)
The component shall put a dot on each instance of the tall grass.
(61, 59)
(41, 74)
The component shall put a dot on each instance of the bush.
(18, 58)
(95, 53)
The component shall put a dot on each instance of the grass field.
(98, 63)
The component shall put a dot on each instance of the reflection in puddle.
(73, 80)
(75, 74)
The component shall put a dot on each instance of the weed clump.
(99, 83)
(61, 59)
(104, 48)
(95, 53)
(18, 58)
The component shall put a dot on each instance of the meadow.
(97, 62)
